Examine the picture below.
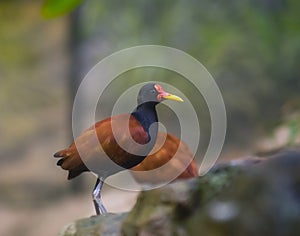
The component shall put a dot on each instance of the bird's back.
(105, 148)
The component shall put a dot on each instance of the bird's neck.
(147, 116)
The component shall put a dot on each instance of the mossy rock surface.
(248, 197)
(95, 225)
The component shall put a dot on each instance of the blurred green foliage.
(252, 48)
(28, 73)
(294, 127)
(54, 8)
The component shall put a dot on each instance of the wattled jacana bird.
(126, 139)
(168, 149)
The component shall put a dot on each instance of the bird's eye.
(153, 91)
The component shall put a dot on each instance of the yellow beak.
(172, 97)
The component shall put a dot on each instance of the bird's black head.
(154, 93)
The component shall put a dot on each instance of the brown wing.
(126, 129)
(166, 153)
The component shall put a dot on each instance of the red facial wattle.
(164, 95)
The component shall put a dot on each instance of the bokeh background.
(251, 48)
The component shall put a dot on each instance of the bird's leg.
(99, 207)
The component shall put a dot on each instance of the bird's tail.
(70, 160)
(64, 155)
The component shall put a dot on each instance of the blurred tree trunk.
(75, 77)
